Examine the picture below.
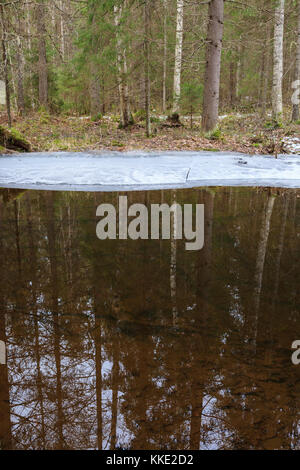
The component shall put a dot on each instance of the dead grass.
(247, 134)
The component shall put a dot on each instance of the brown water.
(142, 344)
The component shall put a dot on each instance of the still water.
(144, 345)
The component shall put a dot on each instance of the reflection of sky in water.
(219, 376)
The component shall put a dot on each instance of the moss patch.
(12, 139)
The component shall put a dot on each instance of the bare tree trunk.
(5, 421)
(238, 74)
(259, 269)
(264, 94)
(32, 243)
(28, 45)
(173, 265)
(232, 84)
(62, 31)
(97, 336)
(52, 249)
(5, 411)
(196, 415)
(5, 65)
(147, 67)
(278, 60)
(99, 385)
(117, 17)
(20, 77)
(115, 392)
(178, 56)
(213, 65)
(164, 103)
(126, 118)
(95, 102)
(42, 63)
(295, 115)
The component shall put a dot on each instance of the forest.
(186, 74)
(149, 236)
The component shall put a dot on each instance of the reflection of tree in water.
(95, 358)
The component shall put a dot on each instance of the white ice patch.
(138, 170)
(291, 144)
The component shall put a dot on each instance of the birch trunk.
(259, 268)
(5, 66)
(5, 408)
(213, 65)
(178, 56)
(173, 264)
(296, 114)
(278, 60)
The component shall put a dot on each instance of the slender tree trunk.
(238, 74)
(213, 65)
(262, 248)
(173, 265)
(12, 76)
(147, 66)
(5, 65)
(62, 31)
(95, 102)
(232, 84)
(129, 119)
(98, 308)
(115, 392)
(99, 384)
(20, 77)
(164, 103)
(196, 415)
(264, 94)
(117, 18)
(28, 45)
(178, 57)
(32, 244)
(5, 422)
(126, 118)
(278, 60)
(51, 233)
(296, 114)
(259, 269)
(42, 63)
(5, 411)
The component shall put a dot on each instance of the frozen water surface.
(141, 170)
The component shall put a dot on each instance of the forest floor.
(240, 133)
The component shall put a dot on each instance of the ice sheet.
(138, 170)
